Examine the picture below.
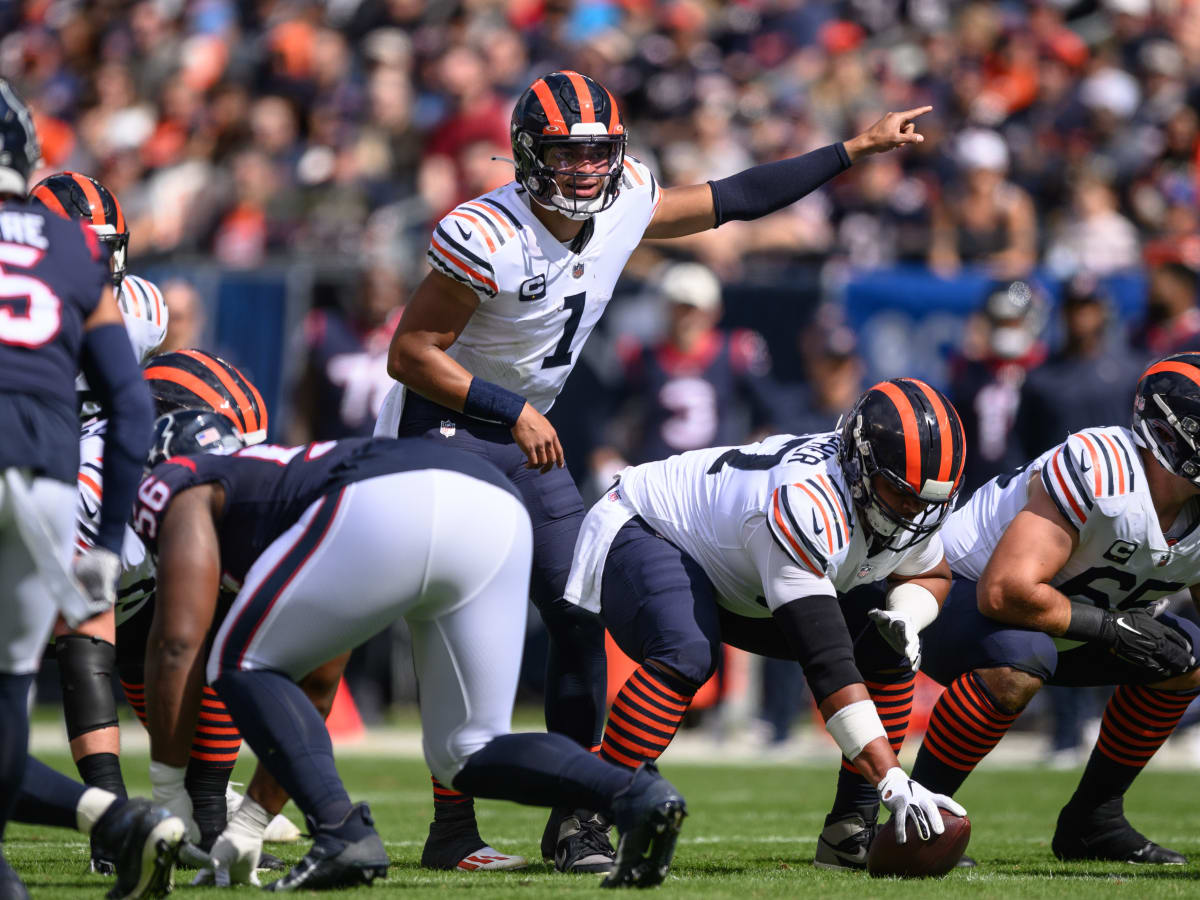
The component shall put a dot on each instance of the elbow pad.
(816, 630)
(113, 374)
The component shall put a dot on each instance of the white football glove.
(901, 633)
(906, 799)
(169, 791)
(234, 857)
(97, 571)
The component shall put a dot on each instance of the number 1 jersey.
(538, 298)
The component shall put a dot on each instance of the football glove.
(234, 857)
(1136, 637)
(97, 571)
(908, 800)
(901, 633)
(168, 791)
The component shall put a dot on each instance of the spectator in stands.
(1172, 319)
(986, 383)
(984, 219)
(700, 386)
(186, 319)
(1095, 238)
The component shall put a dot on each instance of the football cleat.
(143, 840)
(346, 854)
(491, 859)
(1104, 833)
(457, 845)
(11, 885)
(844, 842)
(649, 814)
(583, 845)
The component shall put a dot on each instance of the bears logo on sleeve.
(1090, 466)
(808, 521)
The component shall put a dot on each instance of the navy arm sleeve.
(757, 191)
(816, 630)
(113, 374)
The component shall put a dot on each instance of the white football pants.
(447, 552)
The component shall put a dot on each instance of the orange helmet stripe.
(46, 196)
(912, 438)
(550, 107)
(1170, 365)
(587, 109)
(258, 400)
(120, 224)
(196, 386)
(614, 118)
(945, 437)
(239, 396)
(93, 197)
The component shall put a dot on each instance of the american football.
(917, 858)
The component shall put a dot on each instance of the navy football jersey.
(52, 274)
(268, 487)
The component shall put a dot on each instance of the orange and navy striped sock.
(214, 753)
(449, 804)
(1136, 722)
(644, 717)
(964, 726)
(892, 695)
(135, 694)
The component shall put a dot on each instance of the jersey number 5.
(562, 352)
(30, 313)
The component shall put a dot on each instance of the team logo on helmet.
(1166, 414)
(78, 196)
(188, 432)
(903, 452)
(568, 144)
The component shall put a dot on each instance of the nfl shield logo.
(577, 272)
(865, 570)
(447, 428)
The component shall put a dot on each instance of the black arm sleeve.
(113, 374)
(816, 629)
(757, 191)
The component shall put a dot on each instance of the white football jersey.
(138, 575)
(539, 299)
(710, 503)
(1097, 481)
(144, 312)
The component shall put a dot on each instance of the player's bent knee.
(693, 661)
(1010, 688)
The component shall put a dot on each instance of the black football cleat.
(346, 854)
(649, 813)
(142, 840)
(578, 842)
(844, 842)
(1104, 833)
(457, 845)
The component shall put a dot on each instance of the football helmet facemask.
(908, 436)
(1166, 414)
(19, 148)
(78, 196)
(567, 127)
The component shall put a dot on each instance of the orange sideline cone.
(344, 722)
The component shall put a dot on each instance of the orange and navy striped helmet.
(78, 196)
(563, 123)
(910, 436)
(1166, 414)
(194, 379)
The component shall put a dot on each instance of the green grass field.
(751, 833)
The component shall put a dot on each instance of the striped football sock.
(964, 726)
(135, 694)
(214, 753)
(1136, 722)
(644, 717)
(894, 701)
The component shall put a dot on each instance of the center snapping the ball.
(918, 858)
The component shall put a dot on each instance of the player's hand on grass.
(234, 857)
(538, 440)
(168, 791)
(894, 130)
(900, 632)
(1138, 638)
(906, 799)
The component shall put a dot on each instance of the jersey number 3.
(562, 352)
(30, 313)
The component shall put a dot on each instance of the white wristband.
(250, 820)
(914, 601)
(854, 726)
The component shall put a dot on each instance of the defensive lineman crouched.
(756, 545)
(312, 536)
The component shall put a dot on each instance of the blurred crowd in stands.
(1064, 141)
